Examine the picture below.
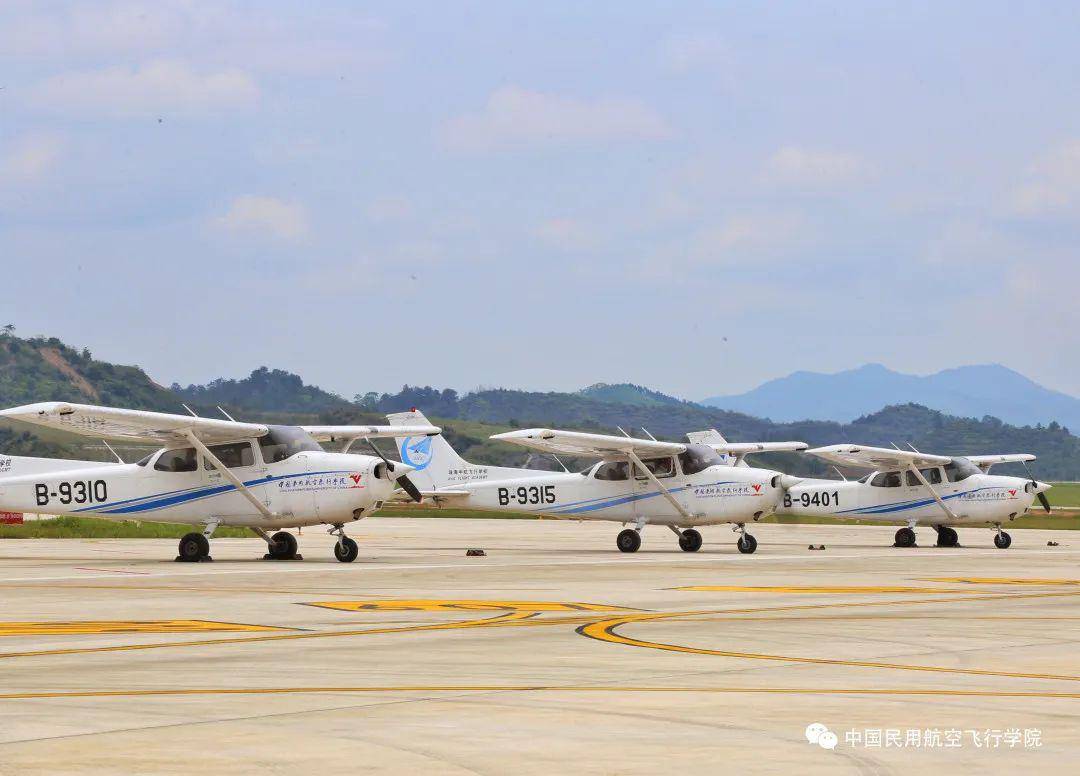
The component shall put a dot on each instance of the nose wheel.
(1002, 540)
(346, 549)
(747, 544)
(628, 540)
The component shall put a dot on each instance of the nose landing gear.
(747, 544)
(346, 549)
(1002, 540)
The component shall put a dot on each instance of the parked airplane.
(935, 490)
(209, 473)
(637, 481)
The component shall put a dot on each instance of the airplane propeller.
(1035, 487)
(402, 479)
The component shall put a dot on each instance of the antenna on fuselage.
(623, 432)
(913, 448)
(110, 449)
(650, 436)
(191, 412)
(223, 412)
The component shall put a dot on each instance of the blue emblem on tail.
(416, 454)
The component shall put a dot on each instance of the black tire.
(283, 546)
(194, 547)
(905, 537)
(747, 544)
(1002, 541)
(690, 540)
(947, 537)
(628, 540)
(346, 550)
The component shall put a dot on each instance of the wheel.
(690, 540)
(946, 537)
(346, 550)
(905, 537)
(194, 547)
(747, 544)
(1002, 540)
(283, 546)
(628, 540)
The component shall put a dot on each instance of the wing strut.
(667, 493)
(944, 507)
(227, 474)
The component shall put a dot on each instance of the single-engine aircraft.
(209, 473)
(637, 481)
(936, 490)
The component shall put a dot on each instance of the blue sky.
(695, 196)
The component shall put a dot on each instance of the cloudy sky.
(695, 197)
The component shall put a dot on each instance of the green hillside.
(265, 390)
(627, 393)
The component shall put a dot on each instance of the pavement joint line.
(63, 694)
(669, 559)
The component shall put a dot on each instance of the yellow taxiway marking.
(274, 637)
(124, 626)
(1004, 581)
(604, 630)
(818, 589)
(532, 689)
(443, 605)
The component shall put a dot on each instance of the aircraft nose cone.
(401, 469)
(1042, 487)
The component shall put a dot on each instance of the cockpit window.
(660, 467)
(960, 469)
(698, 458)
(613, 470)
(234, 455)
(286, 441)
(182, 460)
(146, 460)
(886, 480)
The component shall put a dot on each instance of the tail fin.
(437, 465)
(432, 456)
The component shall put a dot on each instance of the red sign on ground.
(11, 518)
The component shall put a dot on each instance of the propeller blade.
(407, 485)
(1044, 501)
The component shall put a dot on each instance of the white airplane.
(210, 472)
(935, 490)
(637, 481)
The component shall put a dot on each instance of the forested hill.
(264, 390)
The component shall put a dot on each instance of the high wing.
(984, 462)
(548, 440)
(349, 433)
(864, 457)
(132, 425)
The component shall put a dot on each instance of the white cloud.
(30, 157)
(795, 166)
(254, 215)
(742, 237)
(1053, 185)
(517, 118)
(158, 88)
(388, 209)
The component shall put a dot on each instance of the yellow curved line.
(277, 637)
(604, 630)
(530, 688)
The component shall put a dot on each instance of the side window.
(886, 480)
(183, 460)
(911, 479)
(234, 455)
(933, 476)
(613, 470)
(660, 467)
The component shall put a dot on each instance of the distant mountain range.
(966, 391)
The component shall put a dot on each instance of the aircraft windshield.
(286, 441)
(699, 458)
(960, 469)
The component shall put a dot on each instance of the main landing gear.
(689, 540)
(905, 537)
(946, 537)
(346, 549)
(194, 547)
(628, 540)
(1002, 540)
(747, 544)
(282, 546)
